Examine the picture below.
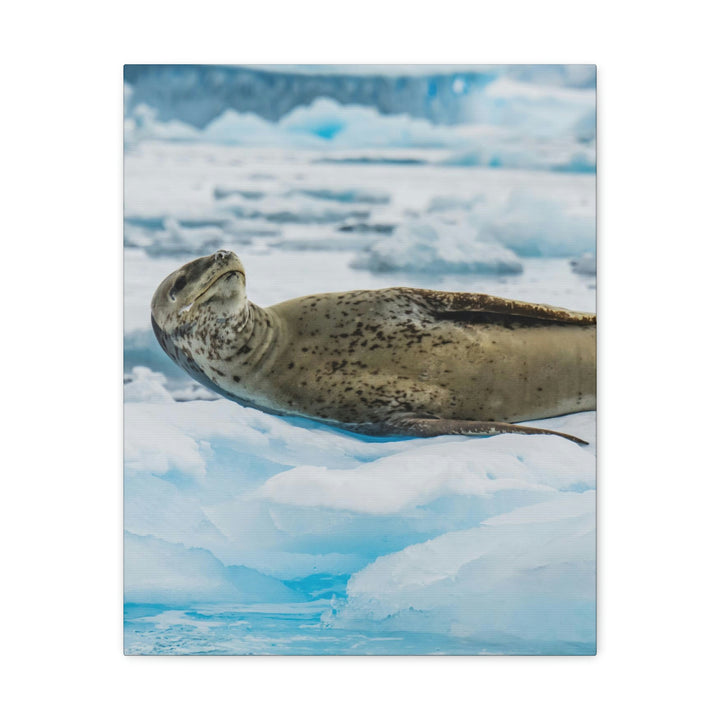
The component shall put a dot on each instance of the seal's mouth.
(216, 280)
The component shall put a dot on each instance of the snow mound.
(460, 234)
(429, 247)
(142, 124)
(585, 265)
(483, 538)
(534, 226)
(421, 475)
(324, 123)
(165, 573)
(258, 490)
(357, 126)
(193, 391)
(144, 385)
(529, 573)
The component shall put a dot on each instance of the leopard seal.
(393, 362)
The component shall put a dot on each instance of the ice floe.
(427, 247)
(160, 572)
(514, 125)
(585, 265)
(529, 573)
(466, 536)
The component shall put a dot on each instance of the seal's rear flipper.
(430, 427)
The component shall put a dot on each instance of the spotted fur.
(400, 361)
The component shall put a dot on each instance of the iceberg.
(323, 124)
(500, 118)
(425, 247)
(585, 265)
(543, 110)
(533, 226)
(142, 123)
(328, 125)
(196, 94)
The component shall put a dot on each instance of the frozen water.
(529, 573)
(318, 207)
(158, 572)
(195, 94)
(422, 475)
(294, 500)
(539, 109)
(295, 210)
(324, 123)
(178, 240)
(432, 247)
(249, 533)
(144, 385)
(346, 195)
(535, 226)
(502, 123)
(585, 265)
(560, 156)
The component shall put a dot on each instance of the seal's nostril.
(221, 254)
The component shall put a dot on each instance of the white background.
(61, 346)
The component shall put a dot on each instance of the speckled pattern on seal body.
(400, 361)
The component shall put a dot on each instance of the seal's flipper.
(450, 305)
(431, 427)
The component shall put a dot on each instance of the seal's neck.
(259, 335)
(244, 341)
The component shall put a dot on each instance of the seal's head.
(215, 282)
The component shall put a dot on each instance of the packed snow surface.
(469, 538)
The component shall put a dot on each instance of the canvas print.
(360, 360)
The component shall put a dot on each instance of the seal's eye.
(180, 283)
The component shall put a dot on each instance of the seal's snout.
(222, 254)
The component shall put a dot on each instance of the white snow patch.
(144, 385)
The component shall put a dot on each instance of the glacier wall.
(196, 94)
